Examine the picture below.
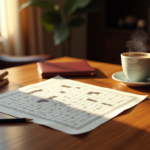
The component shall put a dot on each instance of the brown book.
(65, 69)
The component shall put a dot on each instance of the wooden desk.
(128, 131)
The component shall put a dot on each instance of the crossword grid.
(68, 103)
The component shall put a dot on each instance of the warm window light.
(3, 20)
(10, 29)
(9, 12)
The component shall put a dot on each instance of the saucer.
(119, 76)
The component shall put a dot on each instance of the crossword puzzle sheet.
(66, 105)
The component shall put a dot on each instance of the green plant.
(61, 20)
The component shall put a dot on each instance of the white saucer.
(119, 76)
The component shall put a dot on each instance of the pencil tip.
(28, 119)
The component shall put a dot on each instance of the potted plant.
(61, 20)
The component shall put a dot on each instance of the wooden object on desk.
(3, 73)
(3, 79)
(129, 130)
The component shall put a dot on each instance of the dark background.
(106, 40)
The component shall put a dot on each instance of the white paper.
(66, 105)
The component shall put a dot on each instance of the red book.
(65, 69)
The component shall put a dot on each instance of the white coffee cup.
(136, 66)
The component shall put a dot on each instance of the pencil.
(15, 120)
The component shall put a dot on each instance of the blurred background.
(102, 37)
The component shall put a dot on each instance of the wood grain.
(128, 131)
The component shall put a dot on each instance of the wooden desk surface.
(128, 131)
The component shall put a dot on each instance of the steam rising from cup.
(138, 42)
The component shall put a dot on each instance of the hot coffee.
(136, 54)
(135, 66)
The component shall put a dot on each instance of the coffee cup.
(136, 66)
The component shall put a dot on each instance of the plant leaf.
(72, 5)
(91, 7)
(61, 33)
(49, 19)
(46, 4)
(76, 22)
(49, 27)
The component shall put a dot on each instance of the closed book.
(65, 69)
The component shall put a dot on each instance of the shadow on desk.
(99, 74)
(9, 87)
(145, 89)
(115, 135)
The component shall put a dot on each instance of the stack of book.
(3, 79)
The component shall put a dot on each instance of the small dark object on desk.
(15, 120)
